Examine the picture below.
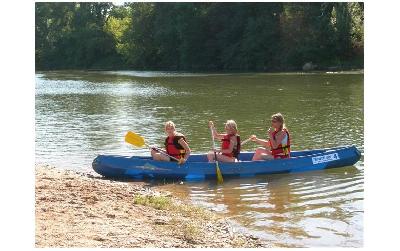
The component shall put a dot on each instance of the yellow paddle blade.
(220, 180)
(134, 139)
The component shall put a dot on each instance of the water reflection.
(322, 208)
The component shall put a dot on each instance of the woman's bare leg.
(261, 154)
(267, 156)
(158, 156)
(210, 156)
(220, 157)
(224, 158)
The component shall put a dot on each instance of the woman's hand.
(253, 138)
(210, 124)
(270, 131)
(181, 161)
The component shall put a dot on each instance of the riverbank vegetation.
(199, 36)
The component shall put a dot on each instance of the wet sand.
(81, 210)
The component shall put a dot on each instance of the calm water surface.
(82, 114)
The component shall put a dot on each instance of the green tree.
(198, 36)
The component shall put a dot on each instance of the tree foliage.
(198, 36)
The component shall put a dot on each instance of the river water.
(82, 114)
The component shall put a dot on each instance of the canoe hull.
(197, 166)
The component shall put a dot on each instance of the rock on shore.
(80, 210)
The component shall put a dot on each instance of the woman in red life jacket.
(230, 143)
(175, 145)
(278, 145)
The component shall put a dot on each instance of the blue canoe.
(197, 166)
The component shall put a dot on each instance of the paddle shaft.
(213, 140)
(162, 152)
(138, 141)
(218, 172)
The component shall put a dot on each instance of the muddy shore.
(81, 210)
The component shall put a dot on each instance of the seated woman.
(230, 143)
(278, 145)
(175, 146)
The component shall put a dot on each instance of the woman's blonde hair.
(169, 124)
(279, 117)
(231, 124)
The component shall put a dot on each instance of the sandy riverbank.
(81, 210)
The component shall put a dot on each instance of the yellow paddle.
(220, 179)
(134, 139)
(137, 140)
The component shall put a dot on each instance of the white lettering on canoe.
(325, 158)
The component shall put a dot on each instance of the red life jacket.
(226, 141)
(283, 150)
(173, 147)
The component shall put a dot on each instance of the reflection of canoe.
(197, 166)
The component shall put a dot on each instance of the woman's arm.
(186, 147)
(218, 135)
(263, 142)
(214, 131)
(278, 139)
